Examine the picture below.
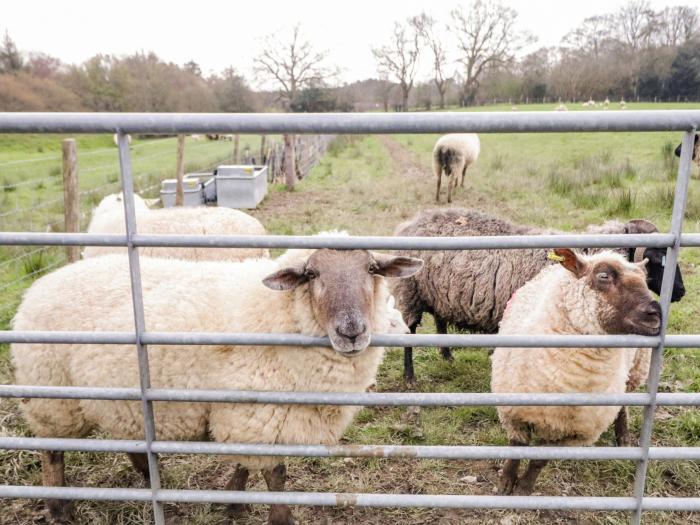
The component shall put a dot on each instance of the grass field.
(368, 185)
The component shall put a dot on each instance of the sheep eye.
(310, 274)
(373, 268)
(603, 276)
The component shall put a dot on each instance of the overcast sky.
(216, 34)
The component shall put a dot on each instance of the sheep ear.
(286, 279)
(389, 266)
(572, 262)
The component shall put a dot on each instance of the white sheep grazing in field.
(341, 294)
(453, 154)
(115, 139)
(597, 294)
(562, 107)
(108, 217)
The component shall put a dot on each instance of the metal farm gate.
(637, 503)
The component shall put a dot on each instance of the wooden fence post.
(180, 171)
(236, 146)
(290, 172)
(263, 156)
(71, 198)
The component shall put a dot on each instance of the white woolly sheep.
(597, 294)
(453, 154)
(108, 217)
(115, 139)
(561, 107)
(337, 293)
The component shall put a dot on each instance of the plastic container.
(243, 186)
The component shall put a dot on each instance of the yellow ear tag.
(554, 257)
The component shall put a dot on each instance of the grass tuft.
(623, 203)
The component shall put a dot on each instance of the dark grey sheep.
(470, 289)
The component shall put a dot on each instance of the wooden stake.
(180, 171)
(71, 202)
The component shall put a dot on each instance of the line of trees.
(635, 52)
(474, 55)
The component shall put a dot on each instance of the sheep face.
(656, 258)
(624, 304)
(342, 291)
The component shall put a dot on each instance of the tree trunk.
(290, 172)
(442, 99)
(404, 101)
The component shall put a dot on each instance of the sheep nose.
(351, 331)
(653, 308)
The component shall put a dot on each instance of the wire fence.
(33, 200)
(636, 503)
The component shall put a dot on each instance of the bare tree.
(399, 58)
(293, 64)
(677, 24)
(636, 24)
(425, 26)
(590, 35)
(487, 38)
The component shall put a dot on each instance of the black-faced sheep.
(597, 294)
(453, 154)
(470, 289)
(696, 149)
(108, 217)
(340, 294)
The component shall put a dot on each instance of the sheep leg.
(464, 173)
(450, 183)
(238, 482)
(408, 373)
(53, 475)
(139, 460)
(275, 479)
(441, 327)
(439, 182)
(526, 483)
(509, 472)
(622, 431)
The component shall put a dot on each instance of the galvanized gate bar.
(139, 323)
(349, 398)
(355, 451)
(271, 339)
(349, 123)
(486, 242)
(672, 254)
(355, 499)
(386, 340)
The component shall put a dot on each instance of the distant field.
(367, 185)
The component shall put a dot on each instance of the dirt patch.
(405, 162)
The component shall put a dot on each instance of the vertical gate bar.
(672, 254)
(139, 321)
